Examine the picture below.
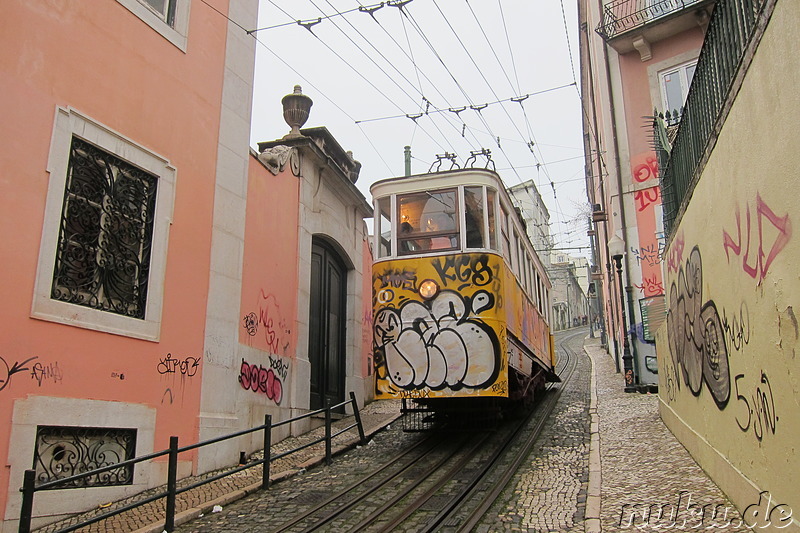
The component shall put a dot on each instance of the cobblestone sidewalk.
(647, 481)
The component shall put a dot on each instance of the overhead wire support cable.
(475, 107)
(304, 22)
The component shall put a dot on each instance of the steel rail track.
(424, 446)
(476, 484)
(567, 369)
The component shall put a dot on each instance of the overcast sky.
(394, 76)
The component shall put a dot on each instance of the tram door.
(327, 321)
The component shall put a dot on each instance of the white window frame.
(69, 122)
(177, 34)
(680, 71)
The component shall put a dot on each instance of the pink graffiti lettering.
(259, 379)
(761, 263)
(646, 197)
(271, 322)
(646, 171)
(651, 286)
(675, 259)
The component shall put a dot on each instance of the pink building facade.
(638, 59)
(153, 263)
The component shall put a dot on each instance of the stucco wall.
(729, 372)
(101, 60)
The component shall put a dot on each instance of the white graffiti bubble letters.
(439, 345)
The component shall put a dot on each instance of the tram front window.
(428, 221)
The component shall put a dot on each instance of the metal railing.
(621, 16)
(30, 488)
(730, 31)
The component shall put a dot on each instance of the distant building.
(569, 300)
(527, 199)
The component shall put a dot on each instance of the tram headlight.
(428, 289)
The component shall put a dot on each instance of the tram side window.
(473, 217)
(504, 234)
(384, 229)
(490, 199)
(428, 221)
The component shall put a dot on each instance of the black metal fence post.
(328, 437)
(26, 513)
(172, 484)
(267, 446)
(361, 436)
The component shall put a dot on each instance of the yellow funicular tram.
(460, 297)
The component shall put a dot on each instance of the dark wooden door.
(327, 321)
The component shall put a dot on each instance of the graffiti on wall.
(7, 372)
(464, 269)
(696, 335)
(268, 381)
(442, 344)
(651, 286)
(675, 257)
(756, 406)
(50, 372)
(645, 198)
(274, 328)
(650, 251)
(185, 367)
(757, 246)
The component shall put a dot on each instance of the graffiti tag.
(7, 371)
(644, 198)
(651, 286)
(270, 320)
(42, 372)
(646, 170)
(675, 258)
(760, 409)
(652, 253)
(439, 344)
(762, 261)
(737, 328)
(695, 333)
(170, 365)
(398, 279)
(259, 379)
(464, 269)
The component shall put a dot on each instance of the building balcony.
(629, 25)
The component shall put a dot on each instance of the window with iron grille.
(105, 234)
(103, 254)
(64, 451)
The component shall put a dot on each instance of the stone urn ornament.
(296, 107)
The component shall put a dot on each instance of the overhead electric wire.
(360, 74)
(378, 66)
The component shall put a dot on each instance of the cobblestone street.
(604, 462)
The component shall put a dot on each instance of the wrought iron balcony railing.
(731, 30)
(620, 16)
